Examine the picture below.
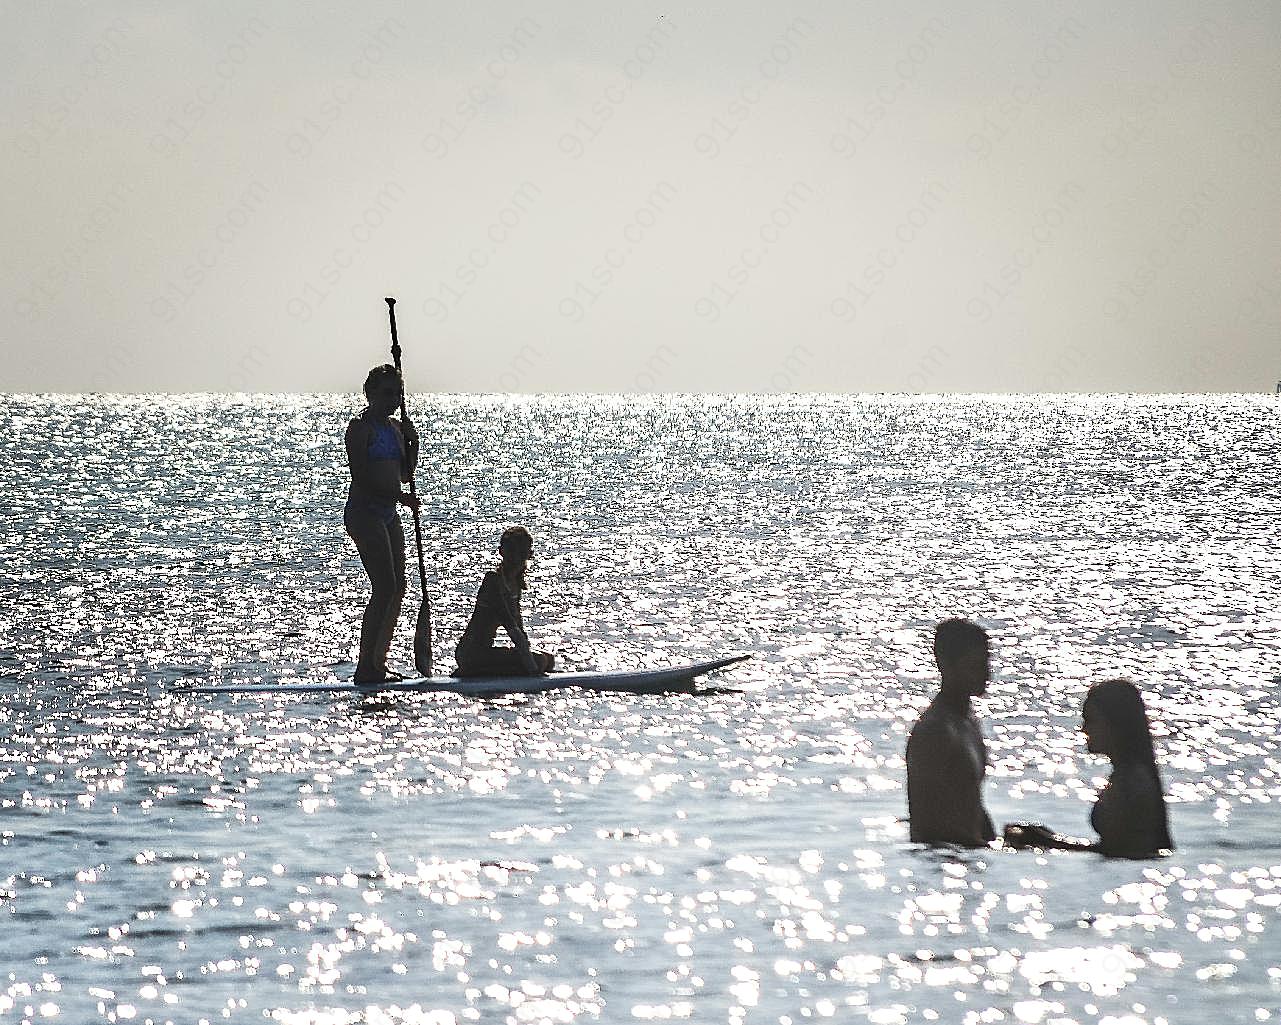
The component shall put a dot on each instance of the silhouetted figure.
(946, 756)
(498, 604)
(381, 454)
(1129, 815)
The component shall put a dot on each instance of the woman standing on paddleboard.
(498, 604)
(382, 454)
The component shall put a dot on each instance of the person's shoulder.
(928, 735)
(940, 733)
(935, 720)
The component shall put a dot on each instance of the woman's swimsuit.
(384, 443)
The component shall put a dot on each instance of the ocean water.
(735, 856)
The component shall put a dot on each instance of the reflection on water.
(736, 856)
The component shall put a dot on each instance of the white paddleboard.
(635, 681)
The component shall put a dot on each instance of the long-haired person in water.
(1129, 815)
(498, 604)
(382, 453)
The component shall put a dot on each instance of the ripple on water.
(734, 856)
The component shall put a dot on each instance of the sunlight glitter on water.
(736, 856)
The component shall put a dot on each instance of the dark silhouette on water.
(381, 454)
(946, 756)
(498, 604)
(1129, 815)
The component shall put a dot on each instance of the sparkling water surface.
(735, 856)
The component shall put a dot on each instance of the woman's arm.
(409, 435)
(1032, 834)
(357, 443)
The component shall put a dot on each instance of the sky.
(573, 197)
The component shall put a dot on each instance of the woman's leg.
(396, 538)
(375, 544)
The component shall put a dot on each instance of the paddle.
(422, 632)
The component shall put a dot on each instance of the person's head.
(961, 650)
(516, 547)
(1115, 723)
(382, 388)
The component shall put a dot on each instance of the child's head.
(516, 546)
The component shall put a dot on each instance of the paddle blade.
(422, 641)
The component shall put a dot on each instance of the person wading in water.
(946, 756)
(381, 454)
(1129, 815)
